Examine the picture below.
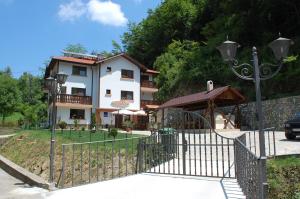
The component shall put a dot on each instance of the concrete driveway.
(147, 186)
(12, 188)
(285, 146)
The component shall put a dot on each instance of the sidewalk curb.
(22, 174)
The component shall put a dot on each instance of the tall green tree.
(76, 48)
(9, 96)
(33, 106)
(179, 38)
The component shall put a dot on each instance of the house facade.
(94, 83)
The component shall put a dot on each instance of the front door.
(119, 121)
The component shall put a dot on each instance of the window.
(127, 74)
(108, 69)
(108, 92)
(78, 91)
(126, 95)
(77, 114)
(145, 78)
(78, 70)
(63, 90)
(105, 114)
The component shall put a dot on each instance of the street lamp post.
(256, 73)
(54, 86)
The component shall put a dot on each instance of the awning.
(140, 112)
(123, 112)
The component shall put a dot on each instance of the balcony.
(148, 86)
(148, 102)
(75, 101)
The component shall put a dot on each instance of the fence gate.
(187, 145)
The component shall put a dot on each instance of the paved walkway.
(147, 186)
(12, 188)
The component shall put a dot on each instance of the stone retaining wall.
(275, 112)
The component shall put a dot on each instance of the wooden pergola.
(210, 102)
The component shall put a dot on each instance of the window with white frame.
(126, 95)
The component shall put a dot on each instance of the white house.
(94, 82)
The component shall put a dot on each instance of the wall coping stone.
(23, 174)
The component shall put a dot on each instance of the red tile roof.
(95, 61)
(76, 60)
(199, 97)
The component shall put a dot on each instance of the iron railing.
(192, 153)
(252, 140)
(247, 169)
(89, 162)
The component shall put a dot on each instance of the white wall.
(107, 120)
(74, 80)
(114, 82)
(63, 114)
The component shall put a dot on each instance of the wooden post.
(163, 118)
(212, 114)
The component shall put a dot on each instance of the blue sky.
(33, 30)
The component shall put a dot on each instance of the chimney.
(210, 86)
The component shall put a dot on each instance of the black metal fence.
(247, 169)
(89, 162)
(191, 153)
(247, 160)
(252, 141)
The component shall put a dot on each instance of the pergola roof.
(222, 96)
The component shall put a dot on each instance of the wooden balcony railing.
(74, 99)
(148, 102)
(148, 84)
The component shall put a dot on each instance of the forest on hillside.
(179, 38)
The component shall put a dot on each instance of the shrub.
(21, 122)
(83, 128)
(284, 178)
(76, 123)
(62, 125)
(113, 132)
(93, 121)
(128, 124)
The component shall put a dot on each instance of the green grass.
(30, 149)
(284, 178)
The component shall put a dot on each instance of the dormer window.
(127, 74)
(108, 69)
(79, 70)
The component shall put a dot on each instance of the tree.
(6, 71)
(117, 49)
(9, 96)
(76, 48)
(31, 88)
(180, 37)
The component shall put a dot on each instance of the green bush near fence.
(284, 178)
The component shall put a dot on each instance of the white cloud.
(103, 12)
(106, 12)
